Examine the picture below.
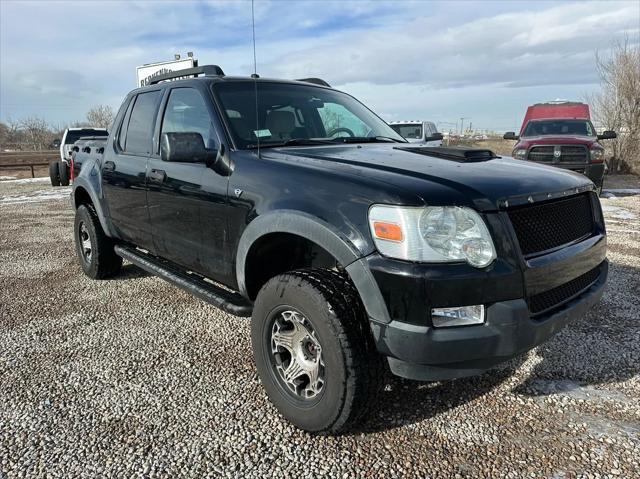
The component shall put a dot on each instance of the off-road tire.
(353, 368)
(102, 262)
(63, 174)
(54, 173)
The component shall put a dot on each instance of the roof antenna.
(255, 74)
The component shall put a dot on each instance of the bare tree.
(617, 105)
(100, 116)
(10, 134)
(37, 134)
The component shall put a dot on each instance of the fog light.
(460, 316)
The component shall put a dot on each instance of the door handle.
(157, 175)
(109, 166)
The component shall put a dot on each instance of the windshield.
(559, 127)
(411, 131)
(75, 135)
(297, 114)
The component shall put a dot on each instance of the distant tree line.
(34, 133)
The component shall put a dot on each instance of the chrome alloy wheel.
(85, 242)
(297, 354)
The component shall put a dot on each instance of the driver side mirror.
(510, 135)
(607, 135)
(434, 137)
(188, 147)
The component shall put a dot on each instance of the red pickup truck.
(561, 134)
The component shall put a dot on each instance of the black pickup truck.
(352, 250)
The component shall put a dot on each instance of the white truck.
(423, 132)
(60, 171)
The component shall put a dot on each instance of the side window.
(336, 116)
(186, 112)
(141, 123)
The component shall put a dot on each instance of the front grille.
(543, 302)
(573, 154)
(549, 225)
(541, 153)
(568, 154)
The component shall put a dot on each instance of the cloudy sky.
(406, 59)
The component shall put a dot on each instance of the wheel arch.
(301, 226)
(83, 193)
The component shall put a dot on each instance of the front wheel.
(314, 351)
(94, 249)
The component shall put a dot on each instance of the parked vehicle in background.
(60, 171)
(352, 250)
(561, 134)
(87, 147)
(423, 132)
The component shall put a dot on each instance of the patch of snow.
(37, 196)
(5, 178)
(618, 212)
(623, 191)
(43, 179)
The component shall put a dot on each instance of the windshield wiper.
(291, 142)
(367, 139)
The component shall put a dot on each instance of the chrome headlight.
(520, 153)
(433, 234)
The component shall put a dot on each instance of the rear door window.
(140, 131)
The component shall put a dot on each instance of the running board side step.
(228, 301)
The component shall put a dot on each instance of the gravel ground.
(133, 377)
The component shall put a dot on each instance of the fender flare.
(81, 182)
(324, 235)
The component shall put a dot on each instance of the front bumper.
(430, 354)
(417, 350)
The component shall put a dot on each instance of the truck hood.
(485, 185)
(529, 141)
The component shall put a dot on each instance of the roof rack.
(315, 81)
(206, 70)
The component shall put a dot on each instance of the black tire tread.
(365, 371)
(107, 262)
(54, 173)
(63, 173)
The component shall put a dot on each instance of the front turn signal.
(388, 231)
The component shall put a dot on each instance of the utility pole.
(462, 119)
